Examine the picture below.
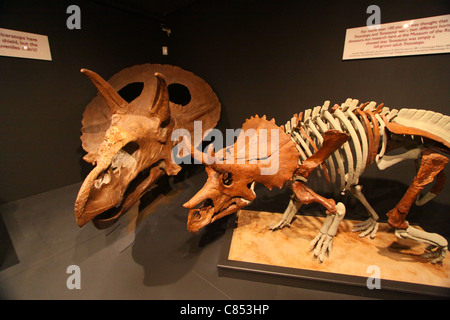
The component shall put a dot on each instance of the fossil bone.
(127, 135)
(340, 142)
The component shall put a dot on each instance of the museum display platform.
(252, 251)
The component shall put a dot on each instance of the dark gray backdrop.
(261, 57)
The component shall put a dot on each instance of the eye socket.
(227, 179)
(130, 147)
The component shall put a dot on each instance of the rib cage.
(367, 129)
(367, 141)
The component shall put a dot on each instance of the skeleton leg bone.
(435, 190)
(371, 224)
(322, 243)
(288, 214)
(432, 164)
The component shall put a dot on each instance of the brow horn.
(114, 101)
(212, 160)
(160, 108)
(208, 158)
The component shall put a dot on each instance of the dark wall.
(42, 101)
(261, 57)
(281, 57)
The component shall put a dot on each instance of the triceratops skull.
(130, 141)
(234, 171)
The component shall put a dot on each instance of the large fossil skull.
(234, 171)
(127, 135)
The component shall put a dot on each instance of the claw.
(318, 247)
(368, 226)
(437, 254)
(288, 215)
(280, 225)
(322, 245)
(315, 240)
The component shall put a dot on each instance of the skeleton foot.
(437, 245)
(322, 245)
(285, 221)
(366, 227)
(371, 224)
(288, 215)
(323, 242)
(435, 253)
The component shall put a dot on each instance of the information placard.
(412, 37)
(24, 45)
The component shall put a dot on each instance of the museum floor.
(159, 259)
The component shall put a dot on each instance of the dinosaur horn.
(114, 101)
(221, 167)
(218, 167)
(206, 158)
(196, 154)
(160, 108)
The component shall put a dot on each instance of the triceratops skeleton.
(130, 142)
(342, 141)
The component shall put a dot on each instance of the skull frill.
(128, 137)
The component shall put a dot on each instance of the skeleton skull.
(230, 186)
(129, 141)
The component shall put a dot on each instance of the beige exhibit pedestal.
(252, 249)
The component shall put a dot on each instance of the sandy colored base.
(398, 259)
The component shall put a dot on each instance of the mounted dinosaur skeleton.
(127, 135)
(340, 142)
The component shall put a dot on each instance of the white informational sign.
(24, 45)
(411, 37)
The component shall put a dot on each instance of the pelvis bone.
(127, 132)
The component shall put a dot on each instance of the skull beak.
(81, 214)
(201, 216)
(86, 206)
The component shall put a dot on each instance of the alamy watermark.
(74, 20)
(374, 20)
(245, 147)
(374, 281)
(74, 280)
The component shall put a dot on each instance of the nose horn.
(187, 205)
(200, 196)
